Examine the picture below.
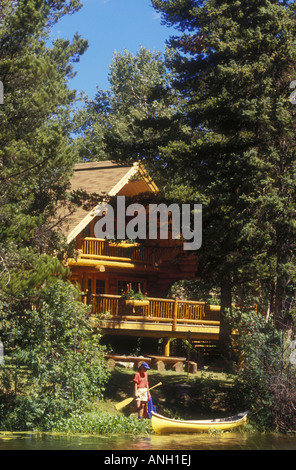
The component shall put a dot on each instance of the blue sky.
(109, 26)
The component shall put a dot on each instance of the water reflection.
(176, 442)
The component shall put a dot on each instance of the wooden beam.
(92, 263)
(199, 335)
(143, 318)
(110, 258)
(165, 328)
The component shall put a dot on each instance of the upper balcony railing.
(122, 251)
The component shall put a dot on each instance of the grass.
(199, 396)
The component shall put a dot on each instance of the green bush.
(54, 362)
(100, 423)
(267, 376)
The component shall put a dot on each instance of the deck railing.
(100, 248)
(159, 310)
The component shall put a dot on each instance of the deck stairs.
(209, 349)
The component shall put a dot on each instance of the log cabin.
(106, 268)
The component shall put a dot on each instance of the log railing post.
(175, 314)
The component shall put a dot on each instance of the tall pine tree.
(35, 153)
(236, 60)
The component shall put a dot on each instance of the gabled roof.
(105, 178)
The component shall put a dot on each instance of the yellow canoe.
(163, 425)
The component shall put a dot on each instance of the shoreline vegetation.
(203, 395)
(199, 396)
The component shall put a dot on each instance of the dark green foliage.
(54, 363)
(267, 376)
(35, 157)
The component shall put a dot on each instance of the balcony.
(92, 251)
(160, 318)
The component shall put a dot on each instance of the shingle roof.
(98, 177)
(101, 178)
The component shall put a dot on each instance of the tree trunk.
(225, 342)
(281, 304)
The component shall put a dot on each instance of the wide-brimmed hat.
(144, 364)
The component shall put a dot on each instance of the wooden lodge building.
(104, 268)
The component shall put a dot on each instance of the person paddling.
(141, 385)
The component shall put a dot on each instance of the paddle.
(127, 401)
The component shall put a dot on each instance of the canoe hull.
(163, 425)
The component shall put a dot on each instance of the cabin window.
(94, 286)
(100, 286)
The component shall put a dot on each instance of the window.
(100, 286)
(94, 286)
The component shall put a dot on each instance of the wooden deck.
(160, 318)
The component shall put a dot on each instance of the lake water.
(173, 442)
